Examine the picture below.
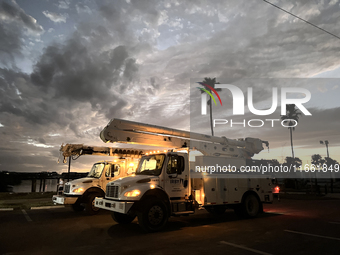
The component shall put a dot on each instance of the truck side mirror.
(185, 183)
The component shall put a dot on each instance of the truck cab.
(80, 193)
(161, 182)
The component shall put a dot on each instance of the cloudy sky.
(68, 67)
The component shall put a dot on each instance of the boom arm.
(69, 150)
(123, 131)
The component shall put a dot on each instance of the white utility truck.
(167, 184)
(80, 193)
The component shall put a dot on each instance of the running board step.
(183, 213)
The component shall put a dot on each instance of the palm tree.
(290, 161)
(292, 113)
(211, 82)
(318, 162)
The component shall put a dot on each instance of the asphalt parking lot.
(286, 227)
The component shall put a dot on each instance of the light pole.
(328, 160)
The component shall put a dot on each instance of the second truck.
(80, 193)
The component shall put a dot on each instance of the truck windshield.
(96, 170)
(151, 165)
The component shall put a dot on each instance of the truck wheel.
(122, 218)
(154, 216)
(251, 206)
(90, 208)
(77, 207)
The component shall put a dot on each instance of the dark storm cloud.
(254, 44)
(110, 13)
(148, 9)
(154, 83)
(10, 43)
(19, 99)
(73, 85)
(77, 72)
(131, 69)
(117, 21)
(15, 13)
(14, 22)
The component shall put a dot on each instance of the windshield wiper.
(147, 172)
(93, 176)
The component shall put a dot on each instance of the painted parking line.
(47, 207)
(273, 212)
(308, 234)
(245, 248)
(26, 215)
(6, 209)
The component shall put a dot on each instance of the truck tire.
(77, 207)
(251, 206)
(122, 218)
(153, 216)
(89, 207)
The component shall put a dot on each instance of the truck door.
(110, 171)
(176, 178)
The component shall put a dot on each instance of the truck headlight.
(132, 193)
(78, 190)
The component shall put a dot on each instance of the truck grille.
(112, 191)
(67, 188)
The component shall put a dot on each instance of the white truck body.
(182, 191)
(165, 185)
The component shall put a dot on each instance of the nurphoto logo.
(239, 103)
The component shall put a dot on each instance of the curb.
(47, 207)
(6, 209)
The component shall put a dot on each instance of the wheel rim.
(93, 207)
(156, 215)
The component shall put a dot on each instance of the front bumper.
(63, 200)
(114, 206)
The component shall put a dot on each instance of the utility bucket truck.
(167, 184)
(80, 193)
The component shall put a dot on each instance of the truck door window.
(175, 165)
(108, 170)
(116, 170)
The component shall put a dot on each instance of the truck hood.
(81, 181)
(130, 180)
